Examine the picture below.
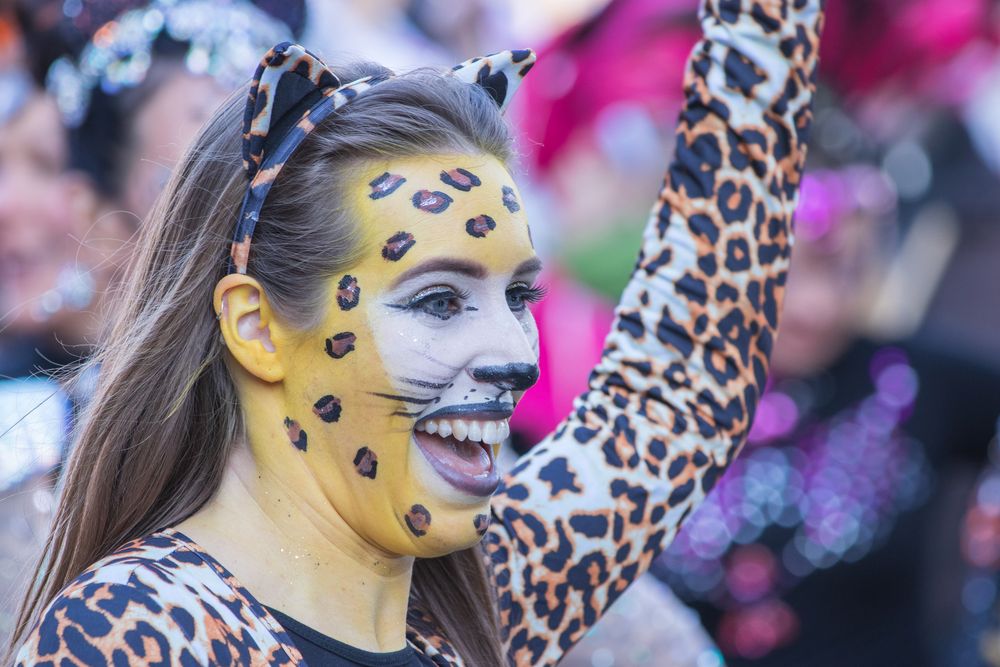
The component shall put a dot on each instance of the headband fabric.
(293, 91)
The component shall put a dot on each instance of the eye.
(439, 302)
(521, 294)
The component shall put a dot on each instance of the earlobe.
(245, 323)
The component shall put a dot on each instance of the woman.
(85, 156)
(320, 431)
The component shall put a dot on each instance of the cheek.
(530, 330)
(43, 211)
(413, 348)
(147, 179)
(410, 350)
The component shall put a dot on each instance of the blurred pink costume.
(572, 323)
(567, 93)
(590, 68)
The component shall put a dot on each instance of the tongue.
(468, 458)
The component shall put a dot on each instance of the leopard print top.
(668, 407)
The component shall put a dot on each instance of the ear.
(499, 74)
(246, 322)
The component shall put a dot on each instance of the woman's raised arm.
(670, 403)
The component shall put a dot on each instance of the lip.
(492, 411)
(482, 485)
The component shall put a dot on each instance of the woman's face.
(35, 225)
(399, 401)
(824, 296)
(162, 130)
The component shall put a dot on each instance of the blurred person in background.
(381, 30)
(110, 95)
(836, 539)
(36, 231)
(131, 98)
(829, 542)
(35, 245)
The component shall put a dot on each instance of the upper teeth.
(487, 432)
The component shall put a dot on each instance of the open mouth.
(462, 449)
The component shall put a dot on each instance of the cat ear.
(499, 74)
(288, 81)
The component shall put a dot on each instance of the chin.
(447, 508)
(456, 534)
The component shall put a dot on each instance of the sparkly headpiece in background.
(829, 196)
(224, 38)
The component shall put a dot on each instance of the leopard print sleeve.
(670, 403)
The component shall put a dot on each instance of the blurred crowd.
(860, 525)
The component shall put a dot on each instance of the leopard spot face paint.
(348, 293)
(431, 202)
(481, 523)
(397, 245)
(296, 434)
(366, 463)
(339, 345)
(385, 185)
(424, 366)
(460, 179)
(480, 226)
(418, 520)
(328, 409)
(509, 199)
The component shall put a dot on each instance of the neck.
(286, 543)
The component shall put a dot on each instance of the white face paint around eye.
(414, 373)
(463, 343)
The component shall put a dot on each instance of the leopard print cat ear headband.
(293, 91)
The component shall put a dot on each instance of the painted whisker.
(440, 363)
(423, 384)
(407, 399)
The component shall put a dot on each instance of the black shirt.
(322, 651)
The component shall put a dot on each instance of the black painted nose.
(509, 377)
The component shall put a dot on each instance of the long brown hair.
(155, 440)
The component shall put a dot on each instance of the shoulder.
(155, 600)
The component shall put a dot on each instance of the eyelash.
(528, 294)
(421, 301)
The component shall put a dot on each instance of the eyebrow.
(462, 266)
(528, 266)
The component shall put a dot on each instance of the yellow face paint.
(399, 401)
